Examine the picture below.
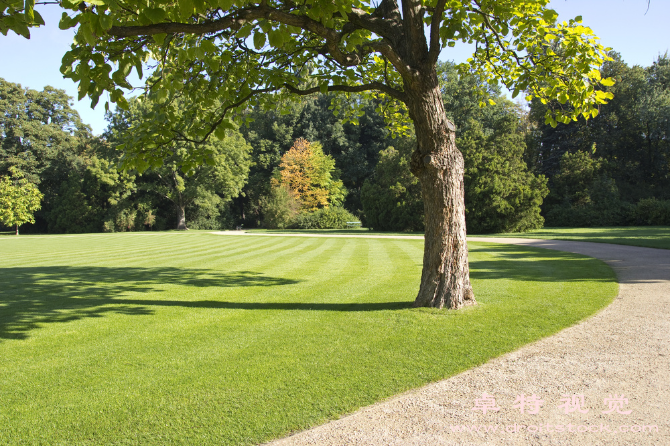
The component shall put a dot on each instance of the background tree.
(354, 147)
(583, 194)
(206, 183)
(19, 199)
(501, 194)
(307, 173)
(203, 55)
(632, 157)
(392, 197)
(43, 137)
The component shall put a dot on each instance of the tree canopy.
(178, 179)
(220, 53)
(19, 199)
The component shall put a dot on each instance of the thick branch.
(413, 12)
(387, 51)
(397, 94)
(435, 45)
(235, 20)
(381, 24)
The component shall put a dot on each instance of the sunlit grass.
(194, 338)
(647, 236)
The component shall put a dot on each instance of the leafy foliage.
(19, 199)
(202, 53)
(354, 148)
(307, 173)
(501, 194)
(392, 199)
(279, 208)
(207, 186)
(600, 169)
(334, 217)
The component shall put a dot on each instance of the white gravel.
(622, 350)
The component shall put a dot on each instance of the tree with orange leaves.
(308, 174)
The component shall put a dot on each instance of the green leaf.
(276, 38)
(220, 132)
(38, 20)
(66, 22)
(156, 15)
(89, 37)
(159, 38)
(29, 13)
(186, 9)
(105, 21)
(244, 31)
(225, 4)
(323, 88)
(259, 40)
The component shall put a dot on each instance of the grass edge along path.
(643, 236)
(193, 338)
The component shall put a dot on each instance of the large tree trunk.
(439, 165)
(181, 218)
(17, 229)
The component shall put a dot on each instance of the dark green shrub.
(651, 211)
(325, 218)
(279, 208)
(392, 198)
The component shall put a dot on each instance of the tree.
(583, 194)
(501, 195)
(392, 197)
(19, 199)
(631, 132)
(307, 172)
(42, 136)
(183, 181)
(219, 55)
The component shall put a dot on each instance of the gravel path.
(621, 352)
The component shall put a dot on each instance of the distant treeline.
(520, 173)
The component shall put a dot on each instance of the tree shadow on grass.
(30, 297)
(521, 263)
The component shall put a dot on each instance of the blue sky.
(624, 25)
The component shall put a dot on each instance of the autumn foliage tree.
(307, 173)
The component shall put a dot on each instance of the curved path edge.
(621, 352)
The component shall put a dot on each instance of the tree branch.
(223, 115)
(235, 20)
(435, 45)
(397, 94)
(413, 12)
(386, 50)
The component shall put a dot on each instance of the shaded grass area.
(193, 338)
(646, 236)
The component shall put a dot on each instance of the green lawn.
(194, 338)
(647, 236)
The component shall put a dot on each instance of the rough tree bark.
(439, 165)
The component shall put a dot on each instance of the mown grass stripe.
(183, 344)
